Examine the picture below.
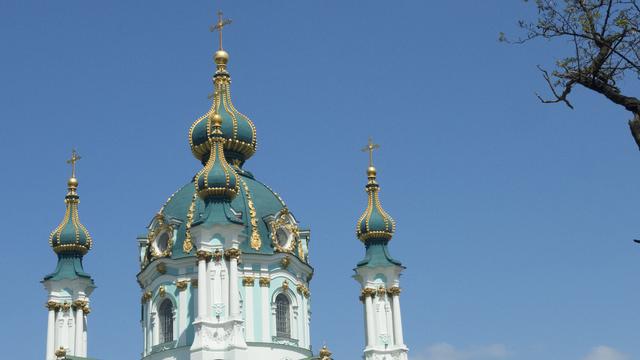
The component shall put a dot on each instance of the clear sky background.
(515, 219)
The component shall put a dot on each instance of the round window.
(283, 237)
(162, 241)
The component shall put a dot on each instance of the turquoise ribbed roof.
(265, 203)
(217, 180)
(237, 129)
(71, 236)
(374, 223)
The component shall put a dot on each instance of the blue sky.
(515, 218)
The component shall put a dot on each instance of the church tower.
(69, 286)
(379, 277)
(224, 263)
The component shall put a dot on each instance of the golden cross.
(74, 159)
(219, 26)
(370, 147)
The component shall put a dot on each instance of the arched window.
(283, 323)
(166, 321)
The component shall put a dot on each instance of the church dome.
(71, 236)
(374, 223)
(238, 130)
(254, 207)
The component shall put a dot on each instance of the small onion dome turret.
(71, 237)
(374, 223)
(217, 180)
(237, 129)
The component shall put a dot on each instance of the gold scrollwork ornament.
(284, 223)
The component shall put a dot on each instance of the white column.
(149, 333)
(144, 322)
(397, 318)
(224, 280)
(365, 322)
(155, 325)
(51, 323)
(183, 307)
(213, 288)
(307, 321)
(84, 335)
(63, 333)
(248, 311)
(294, 322)
(389, 317)
(202, 284)
(368, 301)
(234, 302)
(381, 320)
(264, 303)
(302, 342)
(79, 325)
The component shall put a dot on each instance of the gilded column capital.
(381, 291)
(232, 253)
(145, 296)
(303, 290)
(203, 255)
(65, 306)
(217, 255)
(368, 292)
(79, 304)
(182, 284)
(86, 310)
(394, 291)
(265, 281)
(248, 280)
(52, 305)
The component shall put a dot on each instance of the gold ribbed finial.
(73, 182)
(371, 146)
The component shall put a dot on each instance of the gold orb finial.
(216, 119)
(72, 183)
(371, 172)
(221, 57)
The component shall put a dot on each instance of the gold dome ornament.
(61, 353)
(325, 354)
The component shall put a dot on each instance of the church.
(224, 266)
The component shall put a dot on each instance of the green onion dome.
(217, 180)
(374, 223)
(238, 130)
(71, 237)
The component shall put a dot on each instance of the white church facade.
(224, 265)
